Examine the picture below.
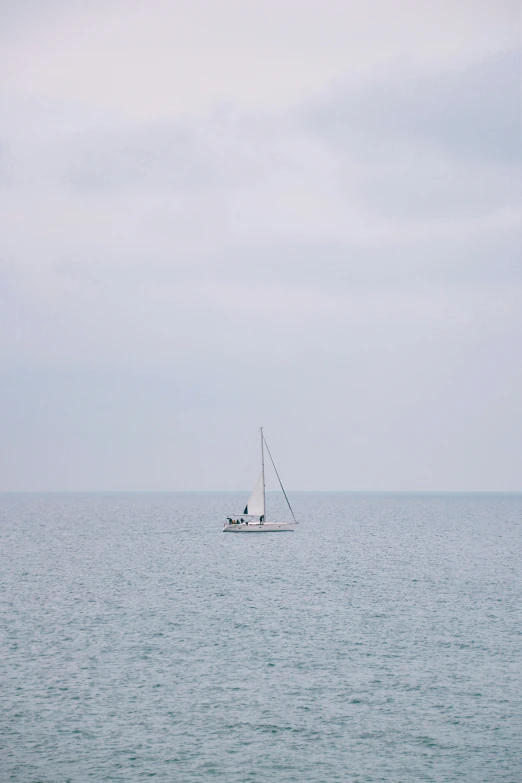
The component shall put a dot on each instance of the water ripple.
(380, 642)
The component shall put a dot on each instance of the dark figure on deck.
(262, 518)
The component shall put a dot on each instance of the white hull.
(266, 527)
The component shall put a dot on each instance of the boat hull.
(266, 527)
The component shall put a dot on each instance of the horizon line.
(269, 491)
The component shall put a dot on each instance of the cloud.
(473, 113)
(237, 196)
(348, 256)
(157, 156)
(144, 238)
(148, 60)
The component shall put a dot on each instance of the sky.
(301, 214)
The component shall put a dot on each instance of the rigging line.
(280, 482)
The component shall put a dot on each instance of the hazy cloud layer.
(342, 264)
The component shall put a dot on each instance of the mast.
(263, 472)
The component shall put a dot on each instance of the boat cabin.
(245, 519)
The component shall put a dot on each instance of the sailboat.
(253, 519)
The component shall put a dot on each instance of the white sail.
(256, 501)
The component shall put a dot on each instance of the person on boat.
(242, 520)
(262, 518)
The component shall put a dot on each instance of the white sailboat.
(253, 519)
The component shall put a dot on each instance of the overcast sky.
(304, 214)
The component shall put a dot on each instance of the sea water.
(382, 641)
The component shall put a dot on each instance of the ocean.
(382, 641)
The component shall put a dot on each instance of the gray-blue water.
(380, 642)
